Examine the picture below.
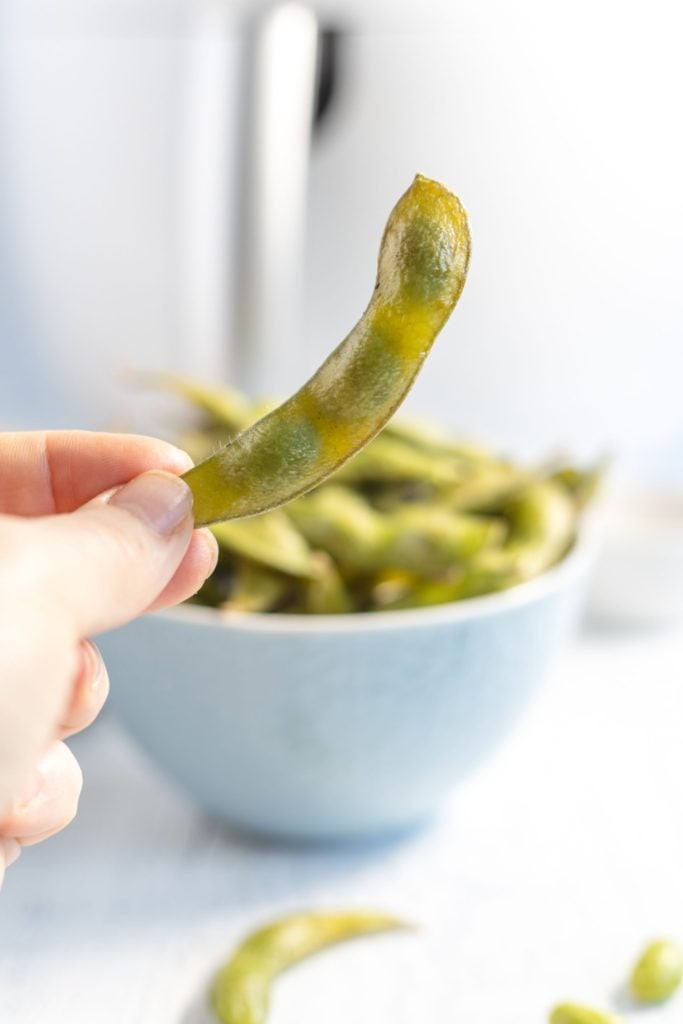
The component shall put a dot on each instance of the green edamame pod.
(256, 589)
(271, 540)
(658, 972)
(488, 487)
(422, 268)
(423, 539)
(325, 593)
(572, 1013)
(388, 460)
(343, 524)
(430, 541)
(542, 522)
(241, 991)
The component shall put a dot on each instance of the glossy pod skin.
(241, 991)
(422, 268)
(657, 973)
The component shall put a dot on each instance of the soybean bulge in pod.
(422, 266)
(573, 1013)
(241, 991)
(658, 972)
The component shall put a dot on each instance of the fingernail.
(11, 850)
(161, 500)
(212, 543)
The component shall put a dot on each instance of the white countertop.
(539, 881)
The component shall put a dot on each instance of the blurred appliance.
(168, 198)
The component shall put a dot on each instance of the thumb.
(109, 560)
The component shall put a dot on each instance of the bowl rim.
(574, 564)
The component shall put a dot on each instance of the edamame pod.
(488, 487)
(325, 593)
(422, 268)
(658, 972)
(256, 589)
(423, 539)
(572, 1013)
(271, 540)
(542, 523)
(389, 459)
(241, 991)
(431, 541)
(343, 524)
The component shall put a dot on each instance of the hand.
(95, 529)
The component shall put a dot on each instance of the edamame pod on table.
(658, 972)
(422, 268)
(241, 991)
(573, 1013)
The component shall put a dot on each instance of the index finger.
(45, 472)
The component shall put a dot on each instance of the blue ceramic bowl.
(336, 726)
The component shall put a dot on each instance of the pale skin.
(95, 529)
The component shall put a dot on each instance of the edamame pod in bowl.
(422, 267)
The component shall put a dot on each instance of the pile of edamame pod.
(414, 519)
(326, 504)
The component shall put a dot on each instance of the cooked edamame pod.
(257, 589)
(572, 1013)
(488, 487)
(343, 524)
(271, 540)
(241, 991)
(417, 538)
(658, 972)
(542, 523)
(431, 541)
(325, 592)
(390, 460)
(414, 593)
(422, 268)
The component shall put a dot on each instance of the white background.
(540, 880)
(558, 125)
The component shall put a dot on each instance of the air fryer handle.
(280, 70)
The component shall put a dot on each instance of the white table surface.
(539, 881)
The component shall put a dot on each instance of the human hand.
(86, 544)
